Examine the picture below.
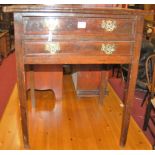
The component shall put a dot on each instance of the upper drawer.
(74, 25)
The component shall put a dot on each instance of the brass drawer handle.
(51, 24)
(52, 47)
(109, 25)
(108, 48)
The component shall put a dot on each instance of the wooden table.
(77, 34)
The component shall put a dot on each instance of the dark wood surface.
(75, 8)
(4, 43)
(86, 79)
(37, 25)
(46, 77)
(76, 45)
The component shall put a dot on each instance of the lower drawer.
(79, 47)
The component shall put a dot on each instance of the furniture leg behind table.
(103, 86)
(32, 87)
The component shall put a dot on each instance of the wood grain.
(131, 82)
(64, 26)
(21, 83)
(76, 8)
(90, 48)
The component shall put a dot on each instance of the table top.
(74, 8)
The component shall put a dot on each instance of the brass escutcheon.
(109, 25)
(52, 47)
(108, 48)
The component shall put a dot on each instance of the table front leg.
(131, 82)
(128, 101)
(20, 67)
(23, 104)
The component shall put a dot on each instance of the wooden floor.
(76, 123)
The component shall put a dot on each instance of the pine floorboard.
(76, 123)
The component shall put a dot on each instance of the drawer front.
(82, 48)
(70, 26)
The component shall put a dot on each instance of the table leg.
(23, 104)
(131, 82)
(103, 86)
(20, 67)
(128, 100)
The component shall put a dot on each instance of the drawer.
(79, 26)
(79, 47)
